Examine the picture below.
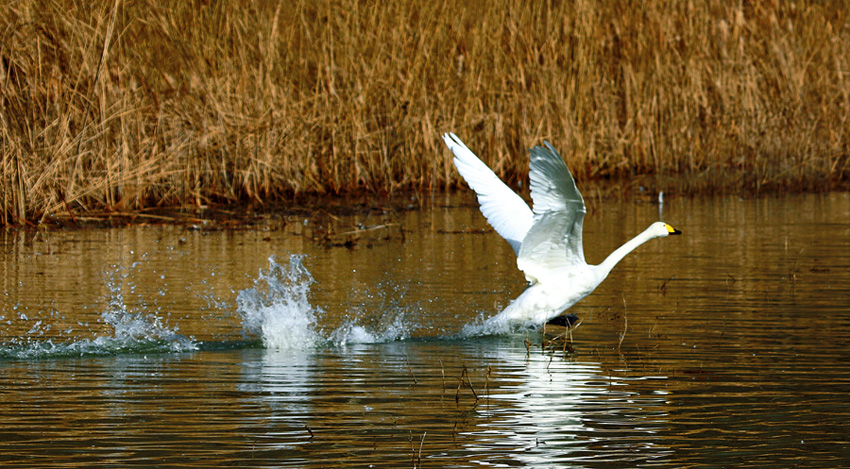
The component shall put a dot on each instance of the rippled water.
(288, 345)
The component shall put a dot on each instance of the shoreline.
(332, 207)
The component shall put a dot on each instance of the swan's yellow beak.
(671, 230)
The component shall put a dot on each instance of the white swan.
(547, 240)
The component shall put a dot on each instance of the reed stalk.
(124, 105)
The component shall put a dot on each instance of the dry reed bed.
(131, 104)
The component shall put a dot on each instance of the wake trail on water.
(278, 310)
(275, 313)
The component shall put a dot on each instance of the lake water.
(294, 344)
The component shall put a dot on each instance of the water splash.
(277, 309)
(139, 330)
(351, 332)
(488, 326)
(275, 312)
(135, 330)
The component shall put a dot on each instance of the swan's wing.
(547, 245)
(554, 239)
(506, 212)
(552, 186)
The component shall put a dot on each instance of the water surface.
(293, 344)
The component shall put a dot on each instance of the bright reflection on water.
(262, 348)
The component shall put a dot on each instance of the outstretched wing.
(554, 239)
(506, 212)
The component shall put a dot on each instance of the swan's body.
(547, 239)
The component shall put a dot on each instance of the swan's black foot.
(565, 320)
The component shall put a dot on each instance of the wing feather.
(503, 208)
(554, 239)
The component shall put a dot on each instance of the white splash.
(278, 308)
(350, 332)
(278, 311)
(134, 330)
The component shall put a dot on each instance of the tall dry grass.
(123, 105)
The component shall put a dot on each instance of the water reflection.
(555, 410)
(283, 383)
(508, 407)
(728, 347)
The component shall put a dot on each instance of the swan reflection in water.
(555, 410)
(537, 409)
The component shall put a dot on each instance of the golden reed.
(123, 105)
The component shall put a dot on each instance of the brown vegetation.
(131, 104)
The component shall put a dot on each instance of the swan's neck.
(622, 251)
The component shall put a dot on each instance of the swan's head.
(660, 229)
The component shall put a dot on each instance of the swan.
(546, 240)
